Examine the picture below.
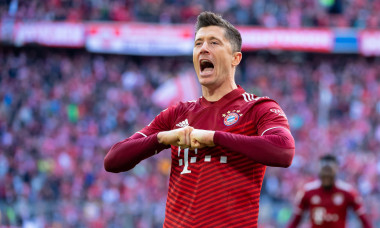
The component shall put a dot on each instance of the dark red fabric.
(365, 222)
(295, 221)
(126, 154)
(214, 186)
(274, 148)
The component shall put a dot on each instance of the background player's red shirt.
(328, 208)
(215, 187)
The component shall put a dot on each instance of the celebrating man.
(220, 143)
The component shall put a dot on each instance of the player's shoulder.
(344, 186)
(253, 99)
(261, 105)
(308, 190)
(179, 107)
(313, 185)
(185, 105)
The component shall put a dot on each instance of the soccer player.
(328, 199)
(220, 143)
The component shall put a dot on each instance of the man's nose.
(204, 48)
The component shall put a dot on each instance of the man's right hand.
(178, 137)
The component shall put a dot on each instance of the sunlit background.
(78, 76)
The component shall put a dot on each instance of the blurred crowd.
(61, 110)
(266, 13)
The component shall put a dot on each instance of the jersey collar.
(225, 99)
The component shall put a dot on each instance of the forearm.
(126, 154)
(365, 221)
(275, 148)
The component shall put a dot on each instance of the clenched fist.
(187, 137)
(202, 138)
(178, 137)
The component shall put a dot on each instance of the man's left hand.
(202, 138)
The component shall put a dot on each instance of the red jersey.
(215, 187)
(328, 208)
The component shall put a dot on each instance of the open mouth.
(206, 65)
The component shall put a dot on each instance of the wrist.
(160, 136)
(211, 138)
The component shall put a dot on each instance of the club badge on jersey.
(231, 118)
(338, 199)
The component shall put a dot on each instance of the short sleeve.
(162, 122)
(356, 202)
(269, 115)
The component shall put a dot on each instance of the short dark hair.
(328, 158)
(231, 33)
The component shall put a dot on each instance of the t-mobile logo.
(185, 161)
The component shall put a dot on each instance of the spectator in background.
(328, 199)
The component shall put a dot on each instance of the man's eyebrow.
(215, 38)
(198, 39)
(211, 38)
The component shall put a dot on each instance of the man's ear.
(236, 58)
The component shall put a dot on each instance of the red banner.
(369, 42)
(148, 39)
(316, 40)
(140, 39)
(157, 39)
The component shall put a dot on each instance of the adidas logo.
(184, 123)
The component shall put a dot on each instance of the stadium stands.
(273, 13)
(61, 110)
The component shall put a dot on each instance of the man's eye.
(197, 44)
(214, 42)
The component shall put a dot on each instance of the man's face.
(212, 56)
(327, 175)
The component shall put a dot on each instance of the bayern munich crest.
(231, 117)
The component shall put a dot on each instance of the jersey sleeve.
(300, 206)
(126, 154)
(269, 115)
(356, 201)
(162, 122)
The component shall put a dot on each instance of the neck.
(216, 93)
(328, 188)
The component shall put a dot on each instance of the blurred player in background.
(220, 143)
(328, 199)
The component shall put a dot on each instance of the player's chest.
(332, 202)
(233, 118)
(328, 209)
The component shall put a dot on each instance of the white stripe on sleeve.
(142, 134)
(271, 129)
